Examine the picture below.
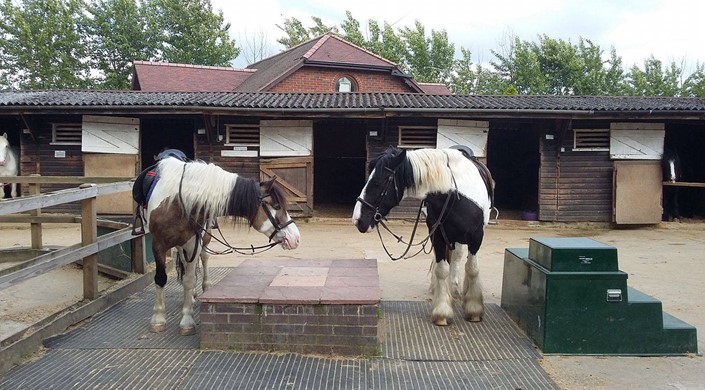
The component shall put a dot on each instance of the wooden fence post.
(35, 227)
(89, 235)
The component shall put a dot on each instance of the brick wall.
(349, 330)
(323, 80)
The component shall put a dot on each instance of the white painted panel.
(109, 134)
(286, 138)
(630, 141)
(463, 132)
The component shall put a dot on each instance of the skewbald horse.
(186, 200)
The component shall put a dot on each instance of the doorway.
(340, 154)
(514, 160)
(165, 133)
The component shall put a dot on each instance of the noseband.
(392, 179)
(277, 226)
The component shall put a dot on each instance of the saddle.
(144, 185)
(484, 172)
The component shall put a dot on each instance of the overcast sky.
(671, 30)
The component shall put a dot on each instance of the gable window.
(66, 134)
(243, 141)
(591, 139)
(416, 137)
(345, 84)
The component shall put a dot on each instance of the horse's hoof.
(157, 328)
(473, 318)
(187, 331)
(440, 321)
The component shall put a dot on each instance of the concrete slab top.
(271, 281)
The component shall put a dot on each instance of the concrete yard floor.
(665, 261)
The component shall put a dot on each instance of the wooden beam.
(89, 235)
(61, 257)
(35, 227)
(18, 205)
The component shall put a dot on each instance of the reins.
(380, 219)
(421, 243)
(253, 250)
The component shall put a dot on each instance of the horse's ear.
(399, 158)
(267, 184)
(4, 135)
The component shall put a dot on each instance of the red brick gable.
(310, 79)
(331, 48)
(165, 77)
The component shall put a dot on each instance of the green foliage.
(296, 33)
(694, 85)
(83, 44)
(42, 45)
(117, 33)
(189, 32)
(654, 80)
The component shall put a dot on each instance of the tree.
(694, 85)
(296, 33)
(42, 45)
(255, 48)
(117, 34)
(189, 32)
(654, 80)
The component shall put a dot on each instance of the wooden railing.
(90, 245)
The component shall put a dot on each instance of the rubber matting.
(116, 350)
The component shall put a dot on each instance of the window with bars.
(591, 139)
(242, 140)
(417, 137)
(66, 134)
(242, 135)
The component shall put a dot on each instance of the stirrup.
(496, 217)
(138, 224)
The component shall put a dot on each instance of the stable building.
(565, 158)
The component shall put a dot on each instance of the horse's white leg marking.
(473, 307)
(188, 325)
(672, 166)
(13, 190)
(158, 321)
(456, 272)
(206, 284)
(441, 302)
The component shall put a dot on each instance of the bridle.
(392, 179)
(379, 218)
(272, 219)
(251, 250)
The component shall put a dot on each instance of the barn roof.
(162, 76)
(343, 102)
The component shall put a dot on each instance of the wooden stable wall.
(574, 186)
(40, 156)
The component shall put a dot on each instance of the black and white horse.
(458, 192)
(672, 173)
(185, 201)
(9, 165)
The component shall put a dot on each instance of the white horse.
(9, 165)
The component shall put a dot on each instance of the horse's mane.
(202, 189)
(431, 169)
(404, 172)
(245, 198)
